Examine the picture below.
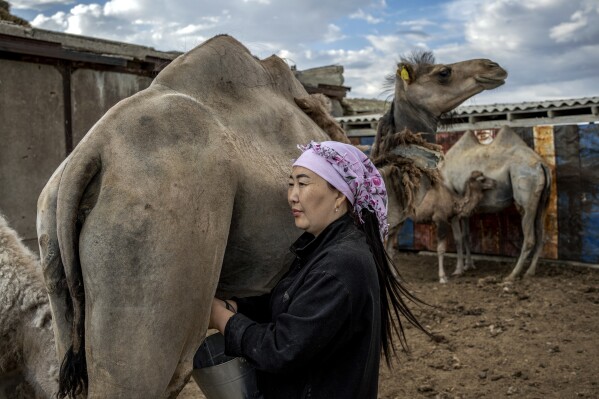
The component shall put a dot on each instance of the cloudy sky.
(549, 47)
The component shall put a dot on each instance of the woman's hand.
(220, 315)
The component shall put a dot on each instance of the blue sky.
(549, 47)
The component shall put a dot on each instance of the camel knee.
(528, 244)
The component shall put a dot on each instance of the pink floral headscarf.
(350, 171)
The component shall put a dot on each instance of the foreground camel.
(424, 91)
(176, 193)
(522, 178)
(28, 364)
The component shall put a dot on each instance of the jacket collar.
(306, 244)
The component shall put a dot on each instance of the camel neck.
(408, 116)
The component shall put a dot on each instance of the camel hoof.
(509, 279)
(458, 272)
(443, 280)
(470, 267)
(529, 274)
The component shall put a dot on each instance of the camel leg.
(457, 235)
(541, 212)
(441, 247)
(465, 226)
(181, 377)
(390, 245)
(391, 241)
(148, 293)
(528, 244)
(538, 247)
(528, 193)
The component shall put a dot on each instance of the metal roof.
(359, 118)
(573, 110)
(524, 106)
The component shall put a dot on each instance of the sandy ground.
(534, 338)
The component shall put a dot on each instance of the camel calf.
(443, 207)
(28, 362)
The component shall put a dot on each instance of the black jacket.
(317, 334)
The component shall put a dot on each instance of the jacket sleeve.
(255, 307)
(319, 312)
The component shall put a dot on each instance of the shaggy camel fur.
(317, 107)
(28, 364)
(407, 179)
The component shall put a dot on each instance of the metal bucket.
(220, 376)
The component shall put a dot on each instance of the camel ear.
(405, 72)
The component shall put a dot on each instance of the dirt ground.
(534, 338)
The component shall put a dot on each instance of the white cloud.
(57, 21)
(418, 24)
(390, 44)
(333, 34)
(122, 7)
(582, 26)
(360, 14)
(37, 4)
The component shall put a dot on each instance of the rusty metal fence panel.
(572, 222)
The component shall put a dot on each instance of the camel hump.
(507, 137)
(466, 142)
(222, 68)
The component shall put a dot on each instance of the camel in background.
(522, 178)
(437, 203)
(28, 363)
(424, 91)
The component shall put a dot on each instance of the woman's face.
(313, 201)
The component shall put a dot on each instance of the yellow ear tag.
(405, 75)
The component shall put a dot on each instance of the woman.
(320, 331)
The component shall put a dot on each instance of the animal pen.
(566, 136)
(55, 86)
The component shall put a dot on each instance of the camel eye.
(445, 73)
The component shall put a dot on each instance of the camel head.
(481, 182)
(435, 89)
(424, 91)
(474, 189)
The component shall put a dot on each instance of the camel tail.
(542, 210)
(78, 172)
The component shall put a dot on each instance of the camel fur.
(318, 108)
(522, 178)
(28, 364)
